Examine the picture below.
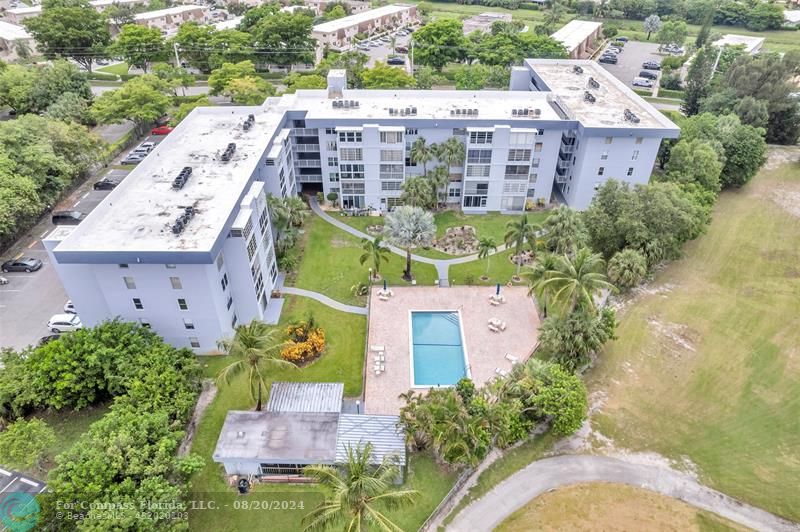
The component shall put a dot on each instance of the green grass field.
(707, 366)
(330, 264)
(120, 69)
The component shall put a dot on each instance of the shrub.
(288, 262)
(332, 196)
(627, 268)
(23, 443)
(305, 342)
(359, 289)
(321, 197)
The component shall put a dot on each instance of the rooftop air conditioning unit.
(513, 112)
(413, 110)
(577, 69)
(593, 83)
(537, 113)
(589, 97)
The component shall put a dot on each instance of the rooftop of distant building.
(168, 11)
(359, 18)
(12, 32)
(575, 32)
(751, 44)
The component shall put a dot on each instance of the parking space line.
(76, 203)
(18, 256)
(32, 244)
(43, 234)
(29, 482)
(4, 472)
(84, 196)
(9, 484)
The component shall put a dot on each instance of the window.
(391, 155)
(479, 156)
(333, 161)
(604, 155)
(537, 147)
(259, 285)
(351, 154)
(535, 162)
(123, 265)
(630, 171)
(391, 137)
(601, 170)
(533, 178)
(224, 282)
(352, 171)
(137, 304)
(480, 137)
(391, 171)
(474, 201)
(478, 170)
(330, 131)
(515, 188)
(454, 193)
(411, 131)
(170, 266)
(248, 228)
(176, 283)
(144, 322)
(391, 185)
(129, 283)
(352, 188)
(263, 220)
(635, 155)
(517, 171)
(332, 145)
(391, 203)
(194, 342)
(188, 324)
(639, 140)
(609, 140)
(519, 155)
(333, 176)
(220, 261)
(251, 248)
(230, 302)
(521, 138)
(233, 321)
(182, 304)
(349, 136)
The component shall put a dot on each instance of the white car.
(69, 308)
(64, 323)
(642, 82)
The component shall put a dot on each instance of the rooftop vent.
(629, 116)
(228, 153)
(589, 97)
(593, 83)
(183, 220)
(251, 119)
(182, 178)
(577, 69)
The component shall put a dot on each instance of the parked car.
(144, 147)
(134, 158)
(69, 308)
(396, 61)
(64, 323)
(615, 49)
(648, 75)
(106, 184)
(651, 65)
(610, 59)
(68, 217)
(22, 264)
(47, 339)
(401, 49)
(161, 130)
(622, 39)
(642, 82)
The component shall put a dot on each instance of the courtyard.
(485, 349)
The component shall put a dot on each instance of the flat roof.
(138, 214)
(94, 3)
(12, 32)
(575, 32)
(383, 432)
(305, 397)
(751, 44)
(792, 15)
(430, 104)
(358, 18)
(230, 24)
(168, 11)
(25, 10)
(612, 96)
(278, 437)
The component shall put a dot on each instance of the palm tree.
(417, 191)
(565, 231)
(423, 153)
(409, 227)
(352, 494)
(256, 348)
(439, 177)
(536, 275)
(486, 246)
(375, 251)
(518, 232)
(627, 268)
(452, 152)
(296, 210)
(576, 280)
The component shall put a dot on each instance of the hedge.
(100, 76)
(670, 93)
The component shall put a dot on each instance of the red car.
(161, 130)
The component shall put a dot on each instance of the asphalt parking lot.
(379, 54)
(17, 494)
(29, 299)
(629, 61)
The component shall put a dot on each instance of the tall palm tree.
(565, 231)
(439, 177)
(575, 281)
(409, 227)
(422, 153)
(486, 246)
(518, 231)
(418, 192)
(296, 210)
(452, 152)
(375, 251)
(256, 348)
(536, 275)
(353, 491)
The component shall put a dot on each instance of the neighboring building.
(303, 426)
(752, 45)
(484, 21)
(18, 14)
(11, 38)
(578, 37)
(169, 20)
(230, 24)
(353, 6)
(792, 17)
(338, 34)
(563, 129)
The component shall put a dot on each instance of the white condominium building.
(185, 244)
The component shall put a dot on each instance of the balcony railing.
(308, 163)
(306, 147)
(305, 131)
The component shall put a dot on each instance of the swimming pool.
(438, 354)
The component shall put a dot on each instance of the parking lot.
(629, 61)
(379, 54)
(29, 299)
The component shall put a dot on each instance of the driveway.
(629, 61)
(380, 53)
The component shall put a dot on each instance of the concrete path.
(515, 492)
(325, 300)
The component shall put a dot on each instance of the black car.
(651, 65)
(648, 75)
(105, 184)
(22, 264)
(610, 59)
(68, 217)
(401, 49)
(396, 61)
(47, 339)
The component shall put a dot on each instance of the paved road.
(325, 300)
(539, 477)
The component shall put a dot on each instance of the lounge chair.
(383, 298)
(378, 348)
(494, 302)
(501, 372)
(511, 358)
(493, 328)
(502, 326)
(379, 358)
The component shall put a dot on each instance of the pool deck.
(486, 350)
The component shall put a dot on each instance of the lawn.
(330, 264)
(68, 426)
(501, 270)
(706, 367)
(600, 506)
(120, 69)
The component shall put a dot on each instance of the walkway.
(325, 300)
(515, 492)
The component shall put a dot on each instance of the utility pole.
(411, 55)
(177, 57)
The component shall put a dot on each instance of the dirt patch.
(341, 243)
(787, 197)
(779, 155)
(680, 337)
(461, 240)
(619, 303)
(207, 395)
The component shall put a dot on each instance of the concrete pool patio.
(388, 326)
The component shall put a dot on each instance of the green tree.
(383, 76)
(58, 78)
(627, 268)
(438, 178)
(254, 15)
(764, 17)
(174, 76)
(286, 36)
(408, 228)
(139, 46)
(452, 152)
(504, 49)
(752, 112)
(187, 107)
(255, 347)
(249, 90)
(19, 202)
(195, 44)
(427, 77)
(652, 24)
(353, 63)
(439, 42)
(570, 339)
(537, 274)
(222, 76)
(560, 396)
(471, 77)
(519, 231)
(337, 11)
(576, 281)
(140, 100)
(695, 161)
(295, 82)
(486, 246)
(374, 251)
(418, 192)
(69, 108)
(698, 79)
(17, 84)
(120, 14)
(357, 493)
(76, 31)
(422, 153)
(24, 443)
(230, 46)
(564, 231)
(672, 32)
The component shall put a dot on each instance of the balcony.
(562, 164)
(305, 131)
(308, 163)
(561, 171)
(567, 148)
(306, 147)
(310, 179)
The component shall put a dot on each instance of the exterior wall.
(8, 48)
(174, 20)
(342, 39)
(242, 467)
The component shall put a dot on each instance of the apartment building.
(170, 19)
(18, 14)
(13, 39)
(184, 244)
(338, 34)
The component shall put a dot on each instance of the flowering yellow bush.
(304, 344)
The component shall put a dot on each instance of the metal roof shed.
(319, 397)
(382, 431)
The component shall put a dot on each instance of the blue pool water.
(437, 353)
